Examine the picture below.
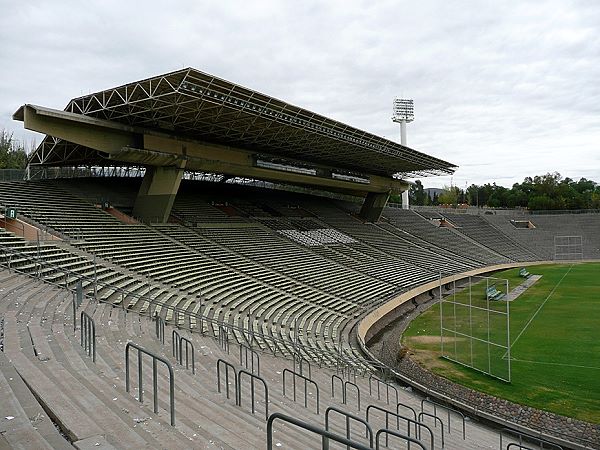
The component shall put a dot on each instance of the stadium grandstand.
(193, 264)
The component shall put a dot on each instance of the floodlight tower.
(404, 112)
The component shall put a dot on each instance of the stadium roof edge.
(195, 105)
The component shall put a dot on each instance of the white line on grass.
(554, 364)
(538, 310)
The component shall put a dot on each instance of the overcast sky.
(503, 89)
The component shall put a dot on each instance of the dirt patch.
(428, 339)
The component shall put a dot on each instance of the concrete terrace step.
(23, 422)
(46, 351)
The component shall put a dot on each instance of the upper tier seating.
(442, 237)
(486, 234)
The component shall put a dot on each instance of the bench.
(524, 273)
(493, 294)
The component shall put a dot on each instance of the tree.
(417, 195)
(449, 196)
(549, 191)
(12, 152)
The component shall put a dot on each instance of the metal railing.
(523, 437)
(228, 366)
(160, 329)
(449, 411)
(388, 433)
(325, 434)
(344, 387)
(407, 407)
(299, 363)
(388, 387)
(436, 420)
(306, 380)
(155, 358)
(88, 335)
(418, 425)
(223, 337)
(519, 446)
(248, 358)
(75, 303)
(348, 417)
(253, 378)
(178, 342)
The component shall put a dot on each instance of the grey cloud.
(503, 89)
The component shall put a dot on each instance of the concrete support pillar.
(157, 193)
(373, 206)
(405, 204)
(403, 132)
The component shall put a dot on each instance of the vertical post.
(507, 329)
(140, 365)
(487, 299)
(74, 301)
(471, 323)
(154, 385)
(454, 308)
(441, 317)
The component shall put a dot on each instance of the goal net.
(568, 248)
(474, 324)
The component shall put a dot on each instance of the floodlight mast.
(403, 112)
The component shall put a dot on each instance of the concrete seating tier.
(486, 234)
(540, 240)
(296, 262)
(90, 402)
(441, 237)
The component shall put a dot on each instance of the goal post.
(475, 324)
(568, 248)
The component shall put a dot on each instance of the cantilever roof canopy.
(195, 105)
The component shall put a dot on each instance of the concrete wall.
(26, 230)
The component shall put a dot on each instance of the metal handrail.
(227, 365)
(325, 434)
(347, 416)
(160, 329)
(448, 410)
(519, 446)
(333, 378)
(388, 386)
(253, 377)
(350, 383)
(398, 435)
(410, 408)
(306, 382)
(177, 344)
(436, 419)
(408, 420)
(248, 362)
(88, 335)
(344, 385)
(224, 337)
(155, 358)
(528, 437)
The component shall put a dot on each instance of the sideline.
(554, 364)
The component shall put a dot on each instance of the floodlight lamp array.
(404, 110)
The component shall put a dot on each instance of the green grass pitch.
(555, 343)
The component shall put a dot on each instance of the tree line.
(13, 154)
(542, 192)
